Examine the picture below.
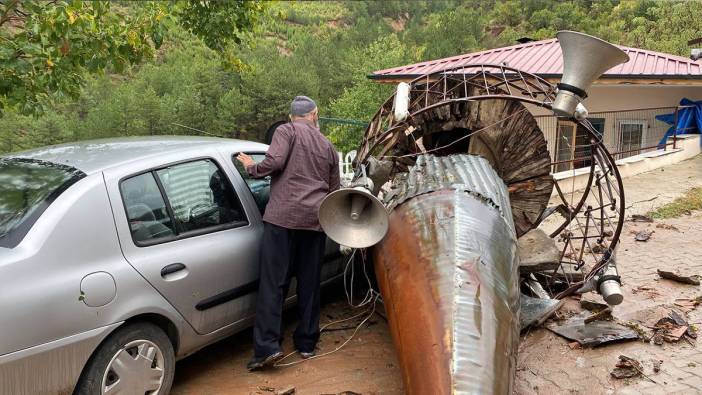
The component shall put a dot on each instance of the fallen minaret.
(447, 270)
(461, 170)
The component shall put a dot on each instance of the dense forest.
(323, 50)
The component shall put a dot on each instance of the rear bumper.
(50, 368)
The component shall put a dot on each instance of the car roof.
(93, 156)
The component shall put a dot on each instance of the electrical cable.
(372, 296)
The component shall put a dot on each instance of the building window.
(631, 137)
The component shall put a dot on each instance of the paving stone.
(637, 263)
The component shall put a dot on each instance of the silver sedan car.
(118, 257)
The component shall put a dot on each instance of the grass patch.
(691, 200)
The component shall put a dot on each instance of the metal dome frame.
(598, 223)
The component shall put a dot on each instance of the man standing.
(304, 168)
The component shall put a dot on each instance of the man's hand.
(245, 160)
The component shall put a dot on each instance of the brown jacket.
(304, 168)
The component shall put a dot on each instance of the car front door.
(184, 228)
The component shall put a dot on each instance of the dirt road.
(366, 365)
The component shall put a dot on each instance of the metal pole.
(675, 127)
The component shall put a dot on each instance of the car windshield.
(27, 188)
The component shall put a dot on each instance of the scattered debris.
(627, 367)
(652, 291)
(643, 235)
(570, 273)
(536, 288)
(685, 279)
(688, 304)
(593, 305)
(593, 334)
(640, 218)
(675, 334)
(666, 226)
(638, 329)
(600, 315)
(671, 329)
(534, 311)
(657, 365)
(574, 345)
(286, 391)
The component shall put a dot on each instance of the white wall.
(621, 97)
(632, 97)
(688, 147)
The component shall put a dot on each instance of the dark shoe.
(306, 355)
(264, 362)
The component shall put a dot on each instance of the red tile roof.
(544, 59)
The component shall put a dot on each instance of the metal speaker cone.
(353, 217)
(585, 59)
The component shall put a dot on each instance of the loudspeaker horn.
(585, 59)
(353, 217)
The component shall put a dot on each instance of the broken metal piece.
(592, 334)
(693, 279)
(535, 311)
(536, 288)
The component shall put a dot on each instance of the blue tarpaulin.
(689, 120)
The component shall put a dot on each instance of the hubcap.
(137, 368)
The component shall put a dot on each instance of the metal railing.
(625, 133)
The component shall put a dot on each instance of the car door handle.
(172, 268)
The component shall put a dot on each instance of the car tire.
(128, 352)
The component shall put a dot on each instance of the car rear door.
(259, 189)
(184, 227)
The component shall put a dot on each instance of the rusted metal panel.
(447, 270)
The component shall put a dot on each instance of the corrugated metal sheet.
(544, 58)
(469, 173)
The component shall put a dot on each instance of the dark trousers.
(286, 253)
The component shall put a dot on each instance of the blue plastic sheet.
(689, 120)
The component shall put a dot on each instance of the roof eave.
(696, 79)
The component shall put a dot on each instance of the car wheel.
(136, 359)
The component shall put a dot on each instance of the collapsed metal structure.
(464, 176)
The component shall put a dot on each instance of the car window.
(200, 196)
(146, 210)
(260, 187)
(27, 188)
